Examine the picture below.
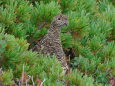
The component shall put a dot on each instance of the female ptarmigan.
(51, 42)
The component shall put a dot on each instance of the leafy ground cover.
(88, 41)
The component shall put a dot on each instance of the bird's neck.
(54, 30)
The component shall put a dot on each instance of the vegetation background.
(88, 41)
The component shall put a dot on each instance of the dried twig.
(1, 71)
(59, 1)
(42, 82)
(32, 81)
(27, 80)
(22, 78)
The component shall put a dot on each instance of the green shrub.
(14, 54)
(89, 36)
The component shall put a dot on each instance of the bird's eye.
(58, 18)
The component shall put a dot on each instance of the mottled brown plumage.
(51, 42)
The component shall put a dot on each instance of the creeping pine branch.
(42, 25)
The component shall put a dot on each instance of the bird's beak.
(66, 24)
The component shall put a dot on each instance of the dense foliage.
(88, 41)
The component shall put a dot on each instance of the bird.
(51, 42)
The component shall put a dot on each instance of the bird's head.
(60, 20)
